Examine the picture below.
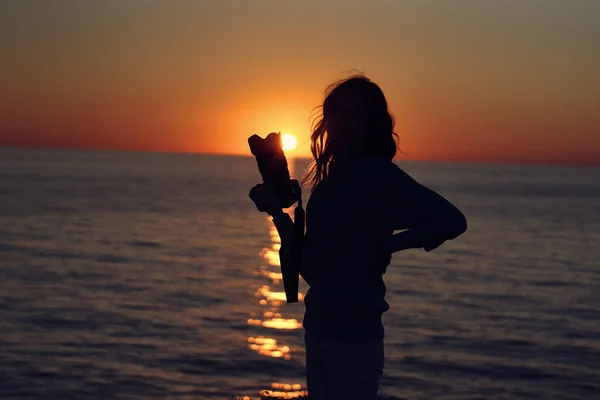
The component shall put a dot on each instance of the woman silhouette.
(359, 198)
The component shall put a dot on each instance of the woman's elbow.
(459, 224)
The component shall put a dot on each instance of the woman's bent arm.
(427, 218)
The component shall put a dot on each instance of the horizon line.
(497, 161)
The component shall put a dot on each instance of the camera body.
(273, 167)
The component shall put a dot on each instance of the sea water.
(152, 276)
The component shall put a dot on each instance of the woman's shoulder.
(384, 174)
(381, 167)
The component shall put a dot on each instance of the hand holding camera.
(276, 193)
(265, 199)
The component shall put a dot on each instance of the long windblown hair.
(379, 138)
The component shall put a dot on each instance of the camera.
(273, 167)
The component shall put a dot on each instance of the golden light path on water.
(270, 301)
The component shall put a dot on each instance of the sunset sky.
(494, 80)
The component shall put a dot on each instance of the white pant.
(344, 371)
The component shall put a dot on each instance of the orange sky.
(495, 80)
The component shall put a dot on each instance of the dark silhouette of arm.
(426, 218)
(285, 227)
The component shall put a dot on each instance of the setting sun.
(288, 141)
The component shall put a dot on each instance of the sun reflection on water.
(281, 391)
(285, 391)
(269, 347)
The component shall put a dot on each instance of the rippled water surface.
(141, 276)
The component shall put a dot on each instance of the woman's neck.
(344, 161)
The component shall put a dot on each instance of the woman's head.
(354, 123)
